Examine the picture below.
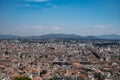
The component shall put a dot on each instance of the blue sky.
(38, 17)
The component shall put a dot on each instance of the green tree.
(50, 79)
(43, 72)
(21, 78)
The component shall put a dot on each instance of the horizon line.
(60, 33)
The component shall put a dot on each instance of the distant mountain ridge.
(109, 36)
(9, 37)
(61, 36)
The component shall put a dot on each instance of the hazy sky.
(37, 17)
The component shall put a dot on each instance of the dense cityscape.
(60, 59)
(59, 39)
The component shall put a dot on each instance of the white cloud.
(49, 6)
(56, 28)
(38, 0)
(26, 5)
(52, 5)
(23, 5)
(28, 30)
(101, 29)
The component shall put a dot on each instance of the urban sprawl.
(64, 59)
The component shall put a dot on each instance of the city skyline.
(38, 17)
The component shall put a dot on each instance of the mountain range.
(62, 36)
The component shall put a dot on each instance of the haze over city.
(38, 17)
